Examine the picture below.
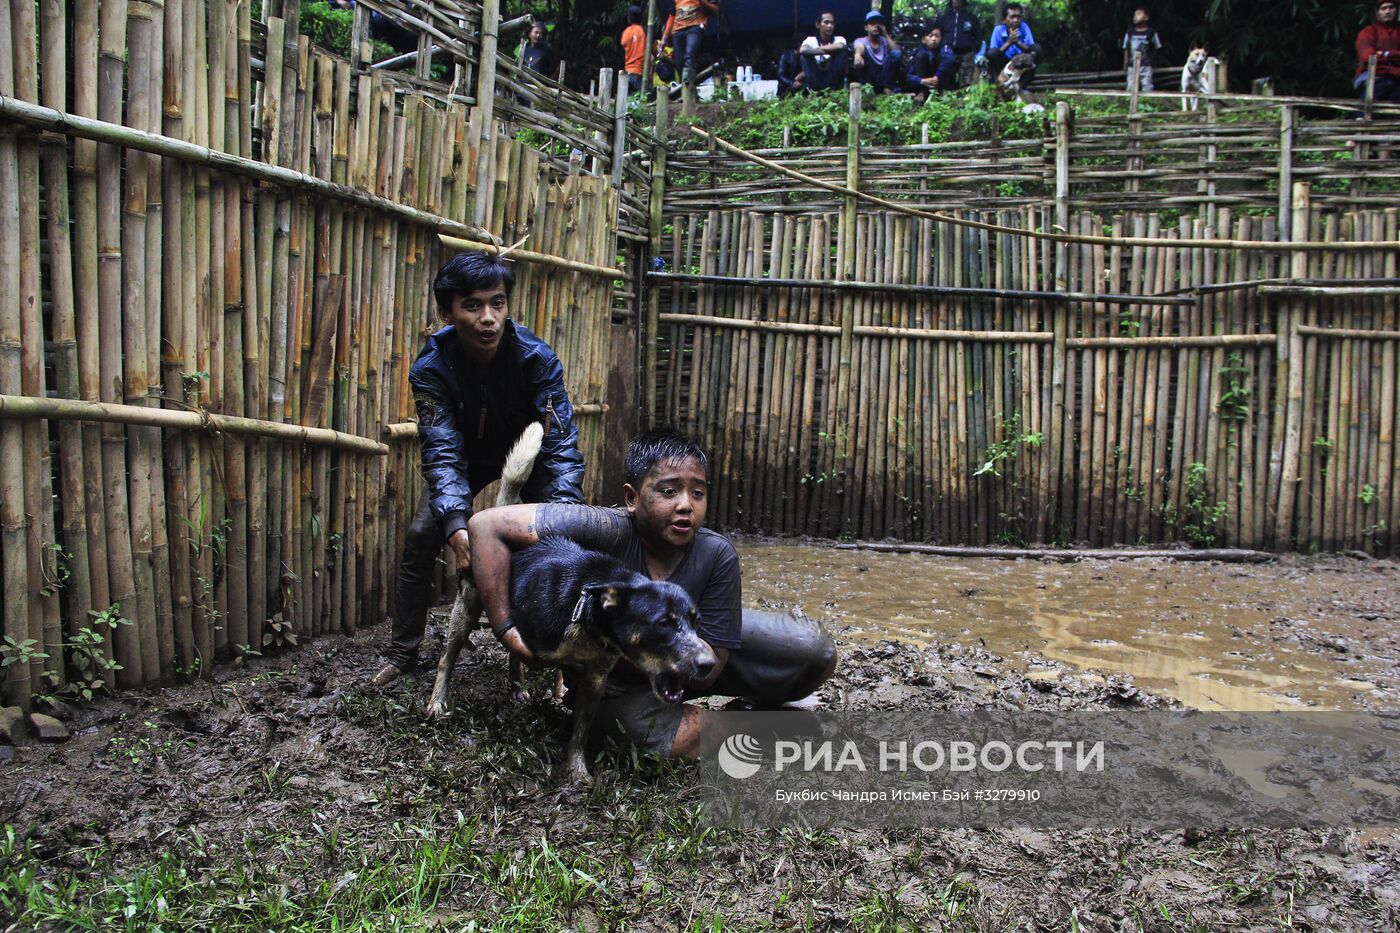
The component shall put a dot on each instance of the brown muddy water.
(1297, 633)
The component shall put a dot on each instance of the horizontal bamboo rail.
(115, 134)
(24, 408)
(1320, 291)
(1348, 333)
(1302, 246)
(408, 430)
(906, 288)
(554, 262)
(860, 330)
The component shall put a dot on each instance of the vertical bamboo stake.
(486, 103)
(1052, 463)
(1290, 352)
(14, 523)
(178, 501)
(140, 444)
(650, 333)
(846, 248)
(44, 620)
(78, 590)
(85, 292)
(1285, 171)
(112, 37)
(233, 376)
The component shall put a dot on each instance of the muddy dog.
(1198, 77)
(466, 610)
(583, 611)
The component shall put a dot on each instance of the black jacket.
(961, 31)
(469, 416)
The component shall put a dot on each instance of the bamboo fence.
(215, 269)
(866, 370)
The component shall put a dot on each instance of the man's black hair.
(825, 13)
(929, 27)
(1013, 6)
(468, 272)
(634, 15)
(655, 446)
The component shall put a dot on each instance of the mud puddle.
(1300, 632)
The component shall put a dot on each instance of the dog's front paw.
(579, 776)
(438, 708)
(520, 696)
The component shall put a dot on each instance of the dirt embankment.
(283, 795)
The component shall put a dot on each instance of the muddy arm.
(494, 534)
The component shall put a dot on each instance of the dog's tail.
(519, 462)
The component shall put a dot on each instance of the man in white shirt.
(824, 56)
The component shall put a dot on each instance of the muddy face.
(654, 624)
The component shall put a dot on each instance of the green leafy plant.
(88, 662)
(1198, 519)
(1234, 399)
(19, 652)
(1009, 447)
(1367, 494)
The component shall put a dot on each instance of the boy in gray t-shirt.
(767, 658)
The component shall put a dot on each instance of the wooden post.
(485, 105)
(1369, 99)
(1285, 172)
(1134, 127)
(654, 248)
(649, 61)
(846, 250)
(1052, 462)
(619, 147)
(1290, 353)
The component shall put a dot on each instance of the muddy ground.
(284, 795)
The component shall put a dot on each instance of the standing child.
(1140, 42)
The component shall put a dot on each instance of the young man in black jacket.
(963, 34)
(476, 384)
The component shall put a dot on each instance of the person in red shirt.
(1381, 39)
(685, 28)
(634, 49)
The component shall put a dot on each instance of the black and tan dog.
(584, 611)
(466, 610)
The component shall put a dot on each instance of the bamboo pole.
(485, 114)
(904, 288)
(18, 407)
(1290, 352)
(655, 219)
(14, 523)
(135, 385)
(85, 298)
(44, 622)
(846, 251)
(114, 133)
(78, 595)
(121, 570)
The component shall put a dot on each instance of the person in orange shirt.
(685, 28)
(634, 49)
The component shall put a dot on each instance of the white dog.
(1198, 77)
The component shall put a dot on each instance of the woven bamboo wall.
(1108, 392)
(252, 242)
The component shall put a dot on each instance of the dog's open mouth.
(669, 686)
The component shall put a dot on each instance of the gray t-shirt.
(709, 571)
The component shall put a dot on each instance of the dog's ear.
(611, 596)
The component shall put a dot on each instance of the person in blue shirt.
(931, 68)
(963, 34)
(1012, 37)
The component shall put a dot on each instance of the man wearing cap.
(877, 59)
